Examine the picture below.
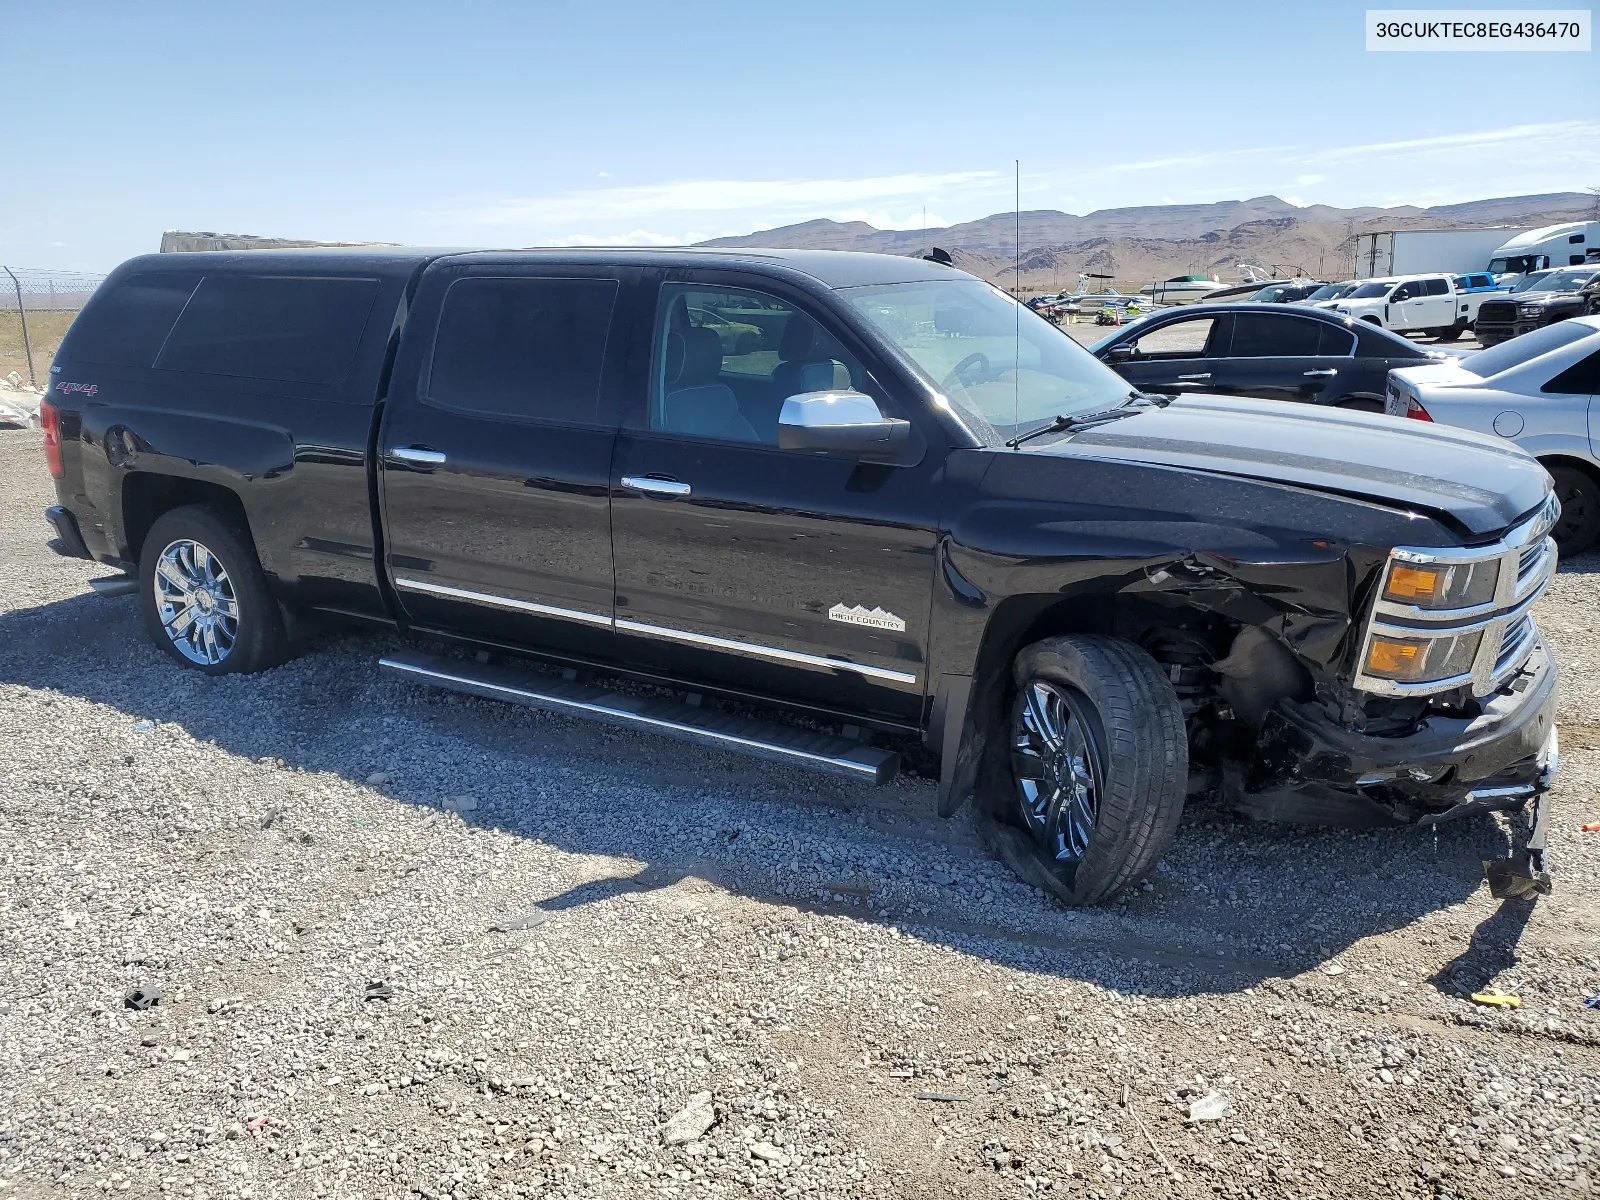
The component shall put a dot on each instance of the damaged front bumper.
(1308, 767)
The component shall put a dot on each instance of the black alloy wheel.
(1579, 523)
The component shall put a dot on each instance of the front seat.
(696, 403)
(806, 360)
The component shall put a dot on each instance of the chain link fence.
(36, 306)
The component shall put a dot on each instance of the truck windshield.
(1330, 291)
(988, 355)
(1562, 281)
(1522, 349)
(1528, 282)
(1369, 291)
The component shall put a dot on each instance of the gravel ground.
(581, 932)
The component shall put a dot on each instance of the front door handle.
(418, 456)
(1321, 373)
(656, 487)
(1202, 375)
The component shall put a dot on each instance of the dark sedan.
(1308, 355)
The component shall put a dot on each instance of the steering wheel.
(958, 373)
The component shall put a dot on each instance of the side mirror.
(1121, 353)
(842, 423)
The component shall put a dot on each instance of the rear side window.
(1438, 287)
(125, 326)
(523, 347)
(283, 328)
(1267, 335)
(1580, 379)
(1336, 342)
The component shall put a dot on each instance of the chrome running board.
(115, 585)
(743, 735)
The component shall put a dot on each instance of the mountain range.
(1155, 241)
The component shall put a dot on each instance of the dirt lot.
(581, 929)
(45, 330)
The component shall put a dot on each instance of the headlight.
(1422, 660)
(1530, 310)
(1442, 585)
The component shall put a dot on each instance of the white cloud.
(1525, 135)
(638, 237)
(1308, 180)
(787, 199)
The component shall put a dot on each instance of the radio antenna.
(1016, 298)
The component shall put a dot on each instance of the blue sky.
(531, 123)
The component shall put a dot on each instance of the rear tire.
(1579, 524)
(1453, 334)
(1098, 764)
(204, 597)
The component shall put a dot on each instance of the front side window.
(524, 348)
(992, 358)
(281, 328)
(1267, 335)
(727, 358)
(1176, 339)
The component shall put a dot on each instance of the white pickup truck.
(1430, 304)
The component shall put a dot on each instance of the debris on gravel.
(626, 943)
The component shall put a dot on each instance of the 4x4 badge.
(877, 618)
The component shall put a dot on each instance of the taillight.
(51, 424)
(1415, 411)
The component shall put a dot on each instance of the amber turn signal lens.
(1396, 660)
(1414, 583)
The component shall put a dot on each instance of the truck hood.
(1477, 484)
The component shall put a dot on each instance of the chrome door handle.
(417, 455)
(656, 487)
(1202, 375)
(1323, 373)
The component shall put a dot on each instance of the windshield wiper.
(1064, 424)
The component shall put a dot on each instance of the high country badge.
(875, 618)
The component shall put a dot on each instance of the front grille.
(1497, 310)
(1504, 630)
(1519, 638)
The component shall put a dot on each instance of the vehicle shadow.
(1234, 903)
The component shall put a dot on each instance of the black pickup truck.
(872, 491)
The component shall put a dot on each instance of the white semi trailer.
(1422, 251)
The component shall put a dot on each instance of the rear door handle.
(1202, 375)
(418, 456)
(1322, 373)
(656, 487)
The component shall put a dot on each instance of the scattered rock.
(691, 1121)
(1213, 1106)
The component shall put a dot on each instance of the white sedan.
(1540, 390)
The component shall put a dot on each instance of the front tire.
(1099, 763)
(1579, 524)
(204, 597)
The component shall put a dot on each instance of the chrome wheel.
(1056, 765)
(196, 603)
